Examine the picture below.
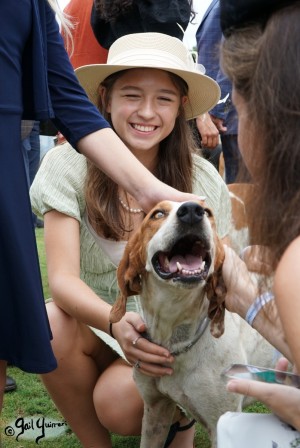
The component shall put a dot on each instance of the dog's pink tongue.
(190, 262)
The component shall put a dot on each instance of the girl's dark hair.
(110, 10)
(174, 168)
(264, 68)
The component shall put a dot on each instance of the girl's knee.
(117, 402)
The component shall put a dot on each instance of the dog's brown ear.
(129, 271)
(216, 292)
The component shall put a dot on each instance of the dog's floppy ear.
(216, 292)
(128, 274)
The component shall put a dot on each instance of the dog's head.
(177, 243)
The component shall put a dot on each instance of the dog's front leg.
(158, 417)
(159, 411)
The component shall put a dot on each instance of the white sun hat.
(154, 50)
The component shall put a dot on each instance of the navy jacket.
(51, 89)
(209, 37)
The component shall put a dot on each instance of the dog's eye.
(158, 214)
(208, 212)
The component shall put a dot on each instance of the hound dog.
(174, 262)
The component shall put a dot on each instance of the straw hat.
(154, 50)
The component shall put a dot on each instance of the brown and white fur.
(174, 262)
(240, 196)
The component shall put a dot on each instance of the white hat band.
(150, 59)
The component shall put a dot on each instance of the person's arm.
(110, 154)
(69, 292)
(242, 291)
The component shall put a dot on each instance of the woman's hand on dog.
(241, 290)
(282, 400)
(149, 358)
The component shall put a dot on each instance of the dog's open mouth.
(188, 260)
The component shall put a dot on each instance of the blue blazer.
(50, 87)
(209, 37)
(38, 81)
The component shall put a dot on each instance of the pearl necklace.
(129, 209)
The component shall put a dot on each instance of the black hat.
(239, 13)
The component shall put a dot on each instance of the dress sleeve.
(59, 183)
(75, 115)
(208, 183)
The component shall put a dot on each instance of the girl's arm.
(76, 298)
(109, 153)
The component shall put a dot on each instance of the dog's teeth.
(179, 267)
(202, 265)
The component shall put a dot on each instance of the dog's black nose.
(190, 213)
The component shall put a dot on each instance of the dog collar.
(201, 329)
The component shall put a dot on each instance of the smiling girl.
(147, 91)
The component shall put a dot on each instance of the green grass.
(31, 400)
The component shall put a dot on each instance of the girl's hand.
(150, 358)
(160, 192)
(282, 400)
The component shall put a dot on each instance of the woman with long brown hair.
(261, 54)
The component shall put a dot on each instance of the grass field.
(30, 410)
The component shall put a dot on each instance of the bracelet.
(257, 305)
(110, 330)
